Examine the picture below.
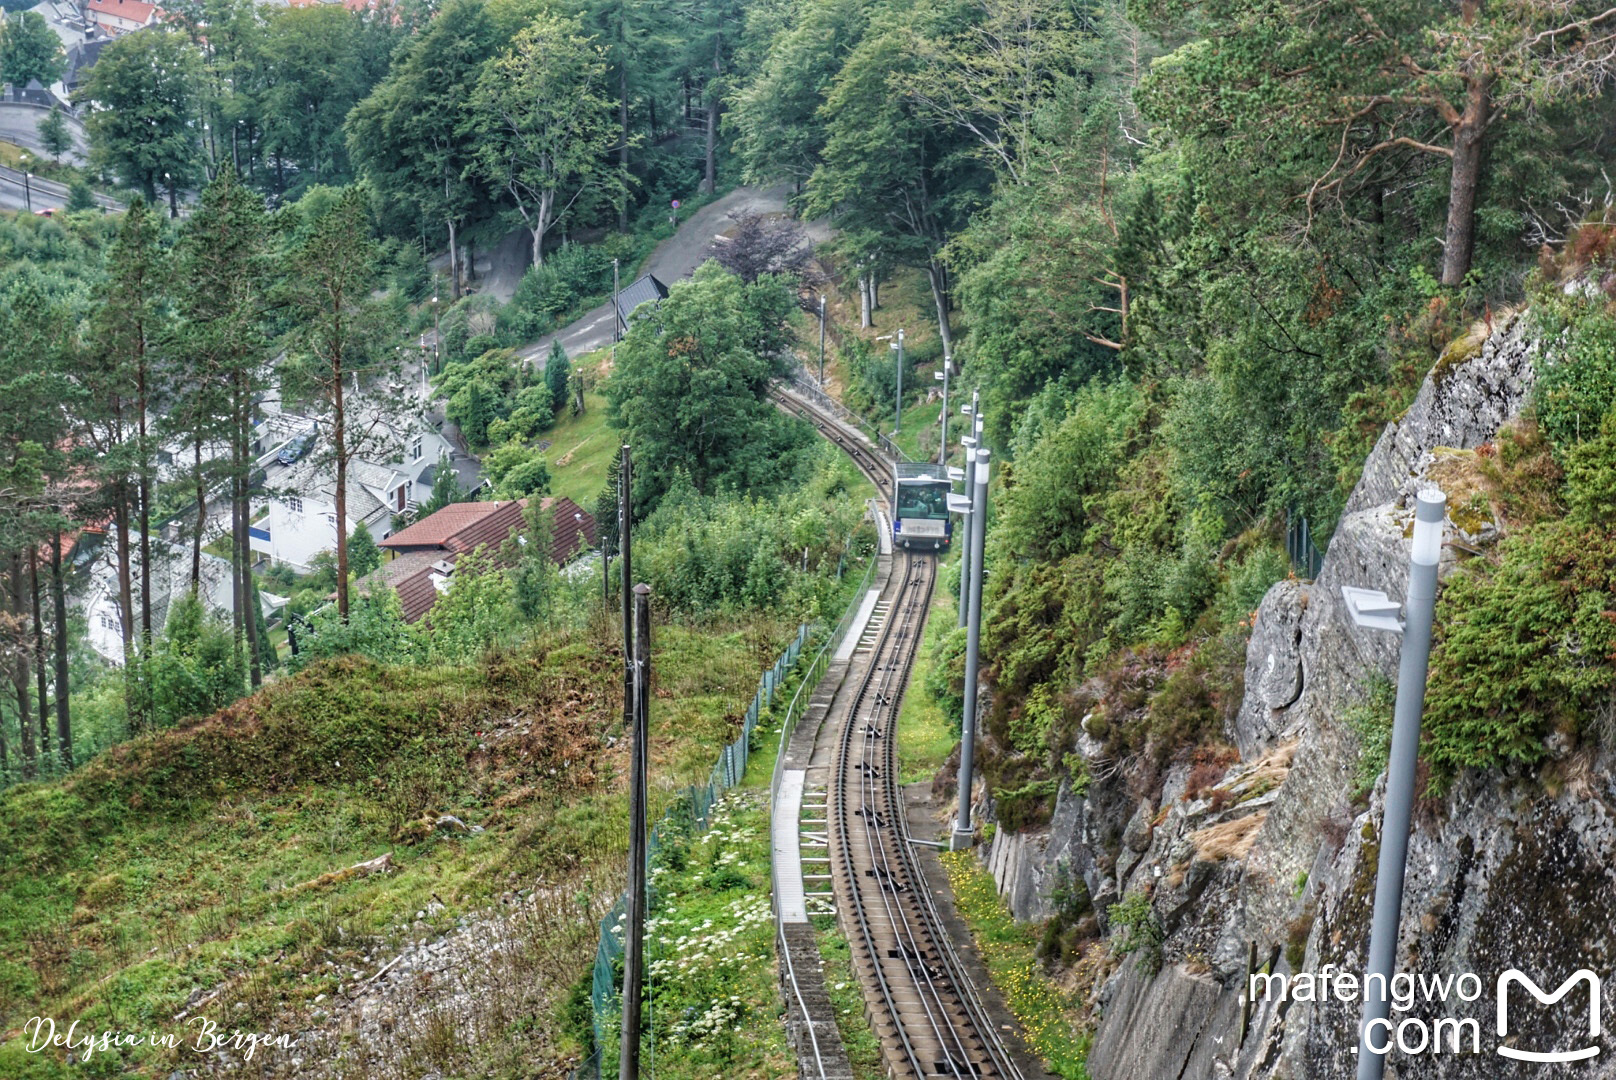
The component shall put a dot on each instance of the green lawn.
(586, 444)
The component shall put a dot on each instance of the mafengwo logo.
(1428, 1013)
(1514, 977)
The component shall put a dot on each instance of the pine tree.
(363, 554)
(333, 269)
(557, 372)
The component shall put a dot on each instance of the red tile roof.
(462, 527)
(135, 10)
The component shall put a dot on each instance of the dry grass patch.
(1228, 839)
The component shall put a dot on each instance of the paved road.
(13, 195)
(674, 259)
(19, 123)
(18, 192)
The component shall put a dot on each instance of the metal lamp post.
(978, 511)
(1372, 609)
(27, 186)
(942, 440)
(437, 338)
(898, 347)
(969, 442)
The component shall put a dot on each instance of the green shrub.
(1141, 931)
(551, 294)
(1371, 720)
(1576, 376)
(1524, 649)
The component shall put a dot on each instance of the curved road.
(674, 259)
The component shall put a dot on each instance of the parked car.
(293, 450)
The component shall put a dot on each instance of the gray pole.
(628, 1067)
(942, 440)
(973, 641)
(625, 478)
(822, 343)
(1420, 607)
(898, 423)
(969, 527)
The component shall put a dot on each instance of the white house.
(297, 517)
(95, 594)
(121, 16)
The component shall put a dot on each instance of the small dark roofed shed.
(645, 290)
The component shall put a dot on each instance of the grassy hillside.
(209, 870)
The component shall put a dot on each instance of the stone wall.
(1500, 873)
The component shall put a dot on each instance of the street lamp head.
(1428, 515)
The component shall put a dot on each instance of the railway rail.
(928, 1017)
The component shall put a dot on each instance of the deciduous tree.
(29, 49)
(143, 89)
(542, 121)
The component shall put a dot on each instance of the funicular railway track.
(922, 1006)
(868, 460)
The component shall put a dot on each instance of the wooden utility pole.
(634, 946)
(625, 505)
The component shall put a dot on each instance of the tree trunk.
(145, 514)
(339, 447)
(622, 119)
(137, 709)
(864, 303)
(201, 517)
(64, 718)
(1459, 241)
(546, 201)
(19, 676)
(126, 585)
(939, 295)
(709, 183)
(243, 516)
(454, 263)
(875, 293)
(39, 650)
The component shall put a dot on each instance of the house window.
(108, 622)
(294, 504)
(415, 449)
(331, 520)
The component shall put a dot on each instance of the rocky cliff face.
(1271, 867)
